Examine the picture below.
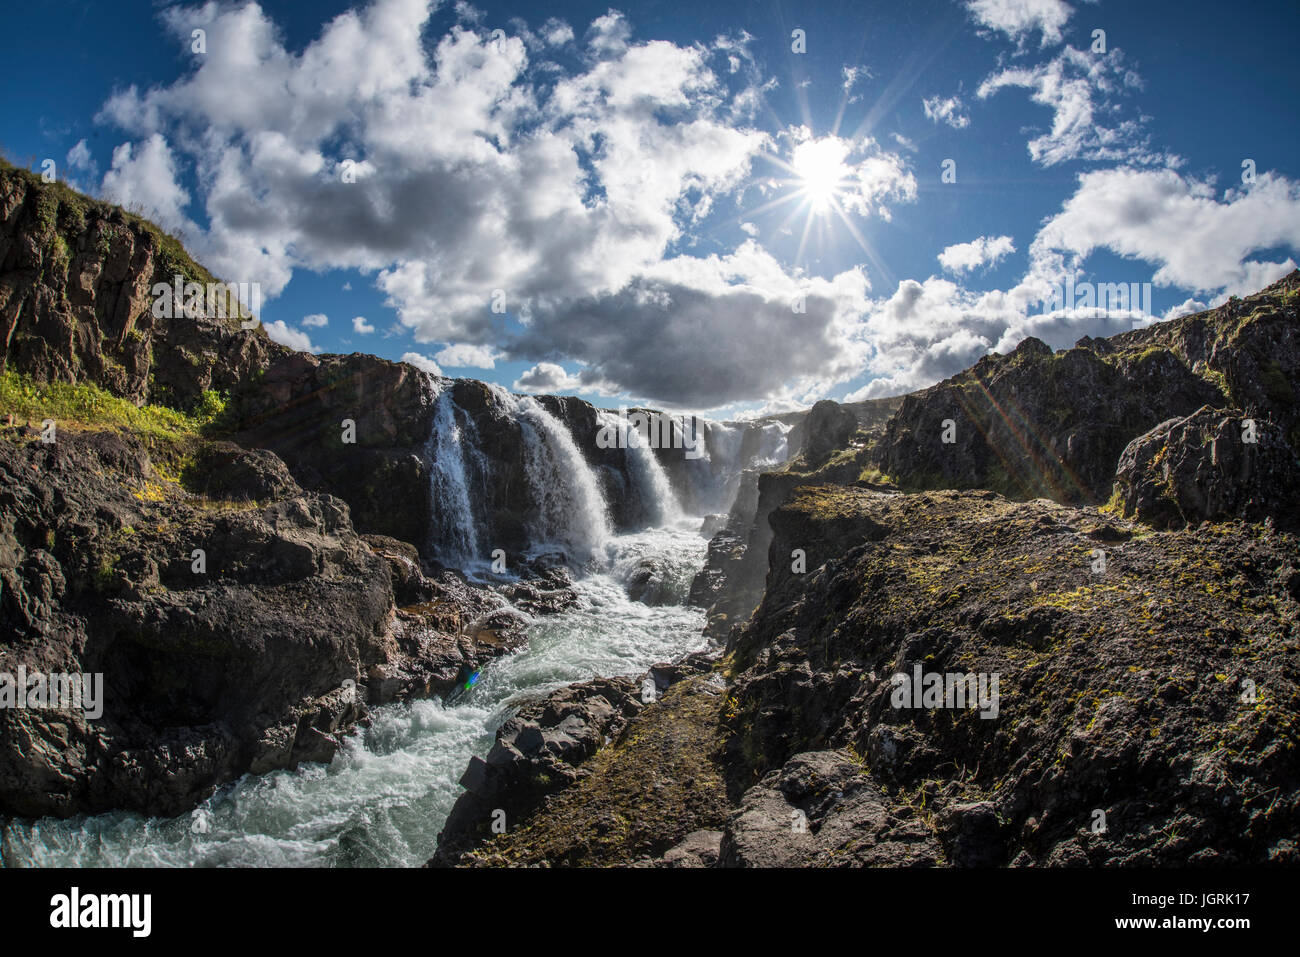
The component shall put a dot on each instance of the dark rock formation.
(562, 772)
(537, 752)
(827, 429)
(298, 409)
(1130, 674)
(1039, 424)
(1210, 466)
(822, 810)
(76, 302)
(240, 631)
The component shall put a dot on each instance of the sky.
(730, 208)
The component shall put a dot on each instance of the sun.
(821, 172)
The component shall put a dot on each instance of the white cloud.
(143, 177)
(556, 32)
(1196, 241)
(424, 363)
(465, 356)
(1082, 90)
(547, 377)
(286, 335)
(903, 141)
(852, 74)
(946, 110)
(1188, 307)
(985, 250)
(1019, 19)
(79, 157)
(316, 320)
(361, 327)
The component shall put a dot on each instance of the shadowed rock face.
(206, 675)
(254, 662)
(1210, 466)
(298, 410)
(827, 429)
(76, 304)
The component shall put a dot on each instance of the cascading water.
(659, 504)
(571, 510)
(454, 533)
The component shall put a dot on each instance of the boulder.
(1212, 465)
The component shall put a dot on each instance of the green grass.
(85, 406)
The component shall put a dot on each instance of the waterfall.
(571, 510)
(454, 531)
(659, 504)
(773, 444)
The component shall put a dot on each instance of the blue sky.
(689, 205)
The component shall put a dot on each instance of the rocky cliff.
(77, 305)
(239, 623)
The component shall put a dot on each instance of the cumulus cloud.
(464, 356)
(983, 251)
(547, 377)
(361, 326)
(1020, 19)
(461, 169)
(1196, 241)
(424, 363)
(143, 177)
(948, 110)
(316, 320)
(79, 158)
(285, 334)
(556, 32)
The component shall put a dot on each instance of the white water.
(454, 530)
(658, 501)
(384, 798)
(572, 510)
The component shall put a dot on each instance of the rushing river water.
(384, 797)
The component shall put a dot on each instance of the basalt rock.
(232, 665)
(1036, 423)
(539, 751)
(1129, 665)
(822, 810)
(828, 428)
(1211, 466)
(240, 630)
(301, 409)
(76, 302)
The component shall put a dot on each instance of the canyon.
(479, 635)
